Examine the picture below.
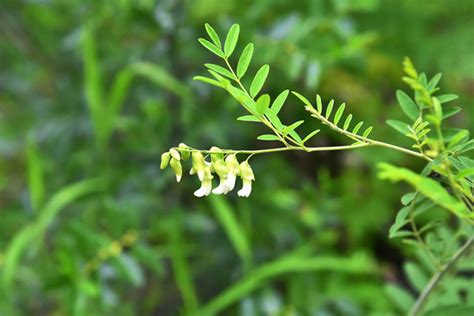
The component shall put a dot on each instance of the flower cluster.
(225, 166)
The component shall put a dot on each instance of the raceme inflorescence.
(427, 115)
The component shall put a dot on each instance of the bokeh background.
(92, 92)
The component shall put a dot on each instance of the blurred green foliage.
(91, 93)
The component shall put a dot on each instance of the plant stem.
(278, 149)
(420, 303)
(362, 138)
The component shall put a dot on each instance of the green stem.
(364, 139)
(420, 303)
(278, 149)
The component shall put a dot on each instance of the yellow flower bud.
(216, 154)
(184, 150)
(199, 164)
(175, 154)
(177, 168)
(165, 159)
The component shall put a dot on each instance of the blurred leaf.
(357, 264)
(35, 175)
(232, 228)
(400, 297)
(408, 106)
(34, 231)
(399, 126)
(426, 186)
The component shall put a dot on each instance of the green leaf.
(231, 39)
(35, 175)
(248, 118)
(434, 81)
(319, 104)
(244, 60)
(232, 227)
(211, 47)
(292, 127)
(295, 136)
(220, 70)
(465, 173)
(357, 127)
(367, 131)
(455, 309)
(310, 135)
(268, 137)
(407, 198)
(274, 120)
(357, 264)
(339, 113)
(400, 297)
(279, 101)
(408, 106)
(458, 137)
(417, 277)
(262, 104)
(450, 110)
(259, 80)
(450, 133)
(445, 98)
(329, 109)
(34, 232)
(400, 221)
(399, 126)
(347, 122)
(302, 98)
(213, 35)
(208, 80)
(426, 186)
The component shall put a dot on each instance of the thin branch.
(420, 303)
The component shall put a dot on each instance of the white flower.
(247, 176)
(199, 164)
(205, 189)
(219, 166)
(233, 169)
(246, 188)
(222, 188)
(230, 181)
(206, 183)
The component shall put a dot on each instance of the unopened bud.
(184, 149)
(175, 154)
(232, 164)
(246, 172)
(178, 170)
(165, 159)
(216, 154)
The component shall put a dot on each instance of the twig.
(417, 309)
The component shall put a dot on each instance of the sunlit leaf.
(279, 101)
(213, 35)
(244, 60)
(231, 40)
(259, 80)
(408, 106)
